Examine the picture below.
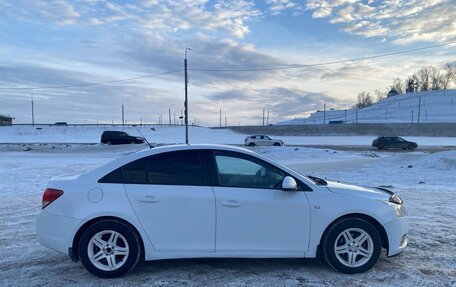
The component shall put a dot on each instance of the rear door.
(173, 201)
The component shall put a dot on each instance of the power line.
(297, 66)
(90, 84)
(292, 66)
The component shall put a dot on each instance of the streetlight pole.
(186, 96)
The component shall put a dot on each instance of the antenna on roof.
(150, 146)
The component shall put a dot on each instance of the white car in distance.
(262, 140)
(189, 201)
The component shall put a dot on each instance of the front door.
(253, 214)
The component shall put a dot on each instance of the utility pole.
(33, 113)
(356, 115)
(169, 113)
(174, 118)
(186, 96)
(324, 113)
(123, 116)
(225, 120)
(220, 118)
(263, 116)
(267, 122)
(345, 116)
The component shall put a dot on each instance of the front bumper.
(56, 232)
(397, 230)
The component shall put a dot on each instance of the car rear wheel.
(108, 142)
(109, 249)
(251, 144)
(352, 246)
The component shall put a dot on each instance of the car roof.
(158, 150)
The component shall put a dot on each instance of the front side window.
(240, 171)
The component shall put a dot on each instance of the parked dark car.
(116, 137)
(393, 142)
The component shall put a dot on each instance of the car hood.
(364, 191)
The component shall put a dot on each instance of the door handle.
(231, 203)
(149, 199)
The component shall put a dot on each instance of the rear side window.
(113, 177)
(135, 172)
(176, 168)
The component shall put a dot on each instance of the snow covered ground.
(426, 181)
(171, 135)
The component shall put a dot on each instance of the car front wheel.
(352, 246)
(251, 144)
(109, 249)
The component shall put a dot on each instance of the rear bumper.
(397, 230)
(56, 232)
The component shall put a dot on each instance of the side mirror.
(289, 184)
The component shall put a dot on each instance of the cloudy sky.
(55, 43)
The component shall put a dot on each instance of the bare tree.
(451, 71)
(398, 85)
(379, 95)
(364, 99)
(412, 84)
(424, 78)
(435, 78)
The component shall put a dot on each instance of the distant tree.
(379, 95)
(398, 85)
(451, 71)
(411, 84)
(424, 78)
(435, 79)
(364, 99)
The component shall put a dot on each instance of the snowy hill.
(423, 107)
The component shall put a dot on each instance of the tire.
(410, 147)
(352, 256)
(251, 144)
(276, 144)
(109, 143)
(98, 239)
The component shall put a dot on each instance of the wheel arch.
(377, 225)
(74, 252)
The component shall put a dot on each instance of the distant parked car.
(117, 137)
(60, 124)
(393, 142)
(256, 140)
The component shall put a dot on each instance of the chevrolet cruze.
(189, 201)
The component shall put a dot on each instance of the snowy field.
(172, 135)
(426, 181)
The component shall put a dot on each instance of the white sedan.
(215, 201)
(257, 140)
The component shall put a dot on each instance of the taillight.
(50, 195)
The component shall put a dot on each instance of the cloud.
(402, 21)
(283, 102)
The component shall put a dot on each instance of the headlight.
(397, 204)
(398, 208)
(395, 199)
